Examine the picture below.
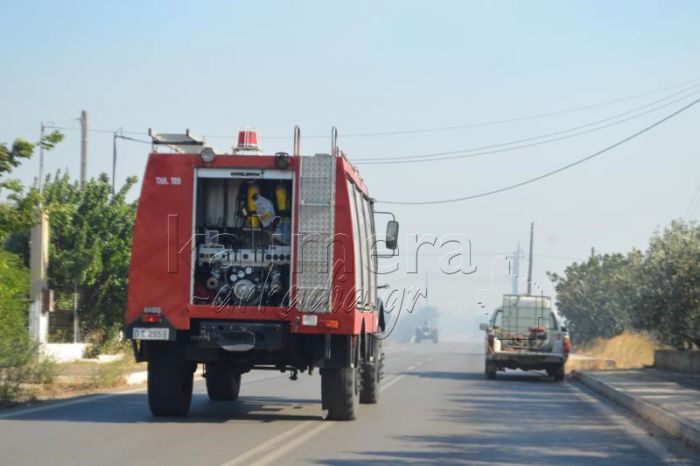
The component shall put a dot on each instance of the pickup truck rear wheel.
(556, 372)
(490, 370)
(340, 392)
(170, 388)
(223, 383)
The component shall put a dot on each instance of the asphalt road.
(436, 407)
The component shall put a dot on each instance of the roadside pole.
(39, 293)
(83, 147)
(39, 263)
(529, 265)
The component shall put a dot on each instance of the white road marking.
(306, 436)
(392, 382)
(265, 445)
(410, 368)
(289, 446)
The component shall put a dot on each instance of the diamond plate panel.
(316, 220)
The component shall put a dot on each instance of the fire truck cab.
(245, 261)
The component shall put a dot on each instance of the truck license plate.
(151, 334)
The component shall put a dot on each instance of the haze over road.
(436, 407)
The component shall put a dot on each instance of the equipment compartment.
(243, 231)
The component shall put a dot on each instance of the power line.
(550, 173)
(488, 123)
(427, 130)
(466, 153)
(694, 202)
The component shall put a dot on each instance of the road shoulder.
(669, 401)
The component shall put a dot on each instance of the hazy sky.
(376, 66)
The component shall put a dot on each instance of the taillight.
(567, 345)
(333, 324)
(536, 329)
(150, 318)
(491, 340)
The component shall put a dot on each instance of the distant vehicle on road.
(526, 334)
(427, 331)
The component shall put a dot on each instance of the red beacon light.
(247, 143)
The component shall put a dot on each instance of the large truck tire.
(491, 370)
(372, 374)
(339, 393)
(556, 372)
(223, 383)
(170, 388)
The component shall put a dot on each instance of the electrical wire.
(693, 204)
(121, 136)
(552, 172)
(465, 153)
(428, 130)
(484, 123)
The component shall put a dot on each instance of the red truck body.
(252, 261)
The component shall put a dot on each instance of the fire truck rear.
(245, 261)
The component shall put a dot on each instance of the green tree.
(90, 247)
(598, 297)
(14, 298)
(670, 295)
(19, 211)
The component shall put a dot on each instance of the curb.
(671, 423)
(137, 378)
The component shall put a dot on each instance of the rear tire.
(170, 388)
(340, 392)
(223, 383)
(490, 370)
(371, 374)
(557, 373)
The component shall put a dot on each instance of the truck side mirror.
(392, 234)
(563, 329)
(484, 327)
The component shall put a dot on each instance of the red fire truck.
(245, 261)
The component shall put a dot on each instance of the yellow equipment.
(253, 220)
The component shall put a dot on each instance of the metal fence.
(63, 327)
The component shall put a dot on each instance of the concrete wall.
(64, 352)
(678, 361)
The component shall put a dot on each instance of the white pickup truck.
(526, 334)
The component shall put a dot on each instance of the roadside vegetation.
(89, 253)
(656, 291)
(629, 350)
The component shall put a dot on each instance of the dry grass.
(629, 350)
(78, 378)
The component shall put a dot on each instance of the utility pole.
(114, 160)
(83, 147)
(515, 275)
(529, 266)
(38, 263)
(427, 294)
(41, 157)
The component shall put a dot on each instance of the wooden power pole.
(83, 147)
(529, 265)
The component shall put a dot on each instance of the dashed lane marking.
(301, 439)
